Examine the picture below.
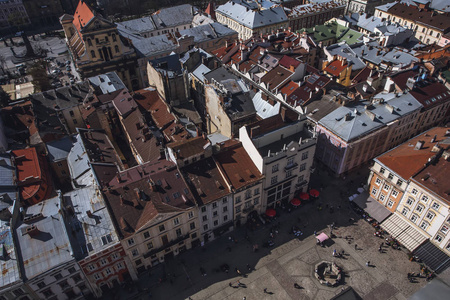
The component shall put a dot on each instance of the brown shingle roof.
(412, 13)
(276, 76)
(188, 148)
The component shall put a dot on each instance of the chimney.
(419, 145)
(254, 131)
(434, 138)
(283, 113)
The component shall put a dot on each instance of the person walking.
(367, 263)
(356, 247)
(265, 290)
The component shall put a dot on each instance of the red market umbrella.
(314, 193)
(295, 202)
(270, 212)
(304, 196)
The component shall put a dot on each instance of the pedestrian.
(230, 284)
(315, 232)
(334, 252)
(265, 290)
(248, 267)
(380, 249)
(238, 271)
(356, 247)
(367, 263)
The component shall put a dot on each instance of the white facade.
(214, 215)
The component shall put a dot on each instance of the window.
(438, 238)
(399, 182)
(225, 218)
(382, 197)
(89, 42)
(225, 208)
(305, 155)
(77, 278)
(146, 235)
(256, 191)
(424, 198)
(378, 181)
(238, 199)
(424, 225)
(216, 222)
(391, 176)
(48, 292)
(390, 203)
(410, 201)
(275, 168)
(176, 221)
(192, 225)
(97, 276)
(178, 232)
(386, 187)
(290, 161)
(205, 227)
(288, 173)
(405, 211)
(106, 239)
(256, 201)
(41, 285)
(176, 195)
(436, 206)
(186, 191)
(162, 228)
(203, 208)
(444, 229)
(93, 53)
(63, 284)
(191, 214)
(205, 218)
(119, 266)
(116, 48)
(224, 200)
(274, 179)
(238, 209)
(106, 39)
(91, 267)
(214, 205)
(58, 276)
(374, 191)
(135, 252)
(414, 192)
(382, 170)
(414, 218)
(302, 167)
(430, 216)
(113, 37)
(215, 213)
(395, 193)
(131, 242)
(419, 208)
(103, 261)
(448, 247)
(115, 256)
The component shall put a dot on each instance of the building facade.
(312, 14)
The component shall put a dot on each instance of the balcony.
(248, 209)
(291, 166)
(301, 184)
(164, 247)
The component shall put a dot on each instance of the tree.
(4, 98)
(40, 78)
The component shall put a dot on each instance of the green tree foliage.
(40, 78)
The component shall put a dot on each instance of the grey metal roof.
(173, 16)
(346, 51)
(200, 71)
(169, 65)
(435, 289)
(107, 83)
(208, 32)
(7, 171)
(49, 247)
(141, 25)
(263, 108)
(442, 5)
(78, 159)
(59, 149)
(246, 14)
(187, 54)
(91, 222)
(63, 97)
(9, 267)
(436, 259)
(352, 122)
(155, 45)
(372, 206)
(385, 7)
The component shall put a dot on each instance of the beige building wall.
(246, 200)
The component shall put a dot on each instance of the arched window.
(114, 37)
(93, 53)
(89, 42)
(116, 48)
(106, 39)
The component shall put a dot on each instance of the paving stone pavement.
(291, 260)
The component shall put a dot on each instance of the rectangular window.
(97, 276)
(58, 276)
(378, 181)
(386, 187)
(382, 197)
(214, 205)
(394, 193)
(275, 168)
(290, 161)
(414, 218)
(256, 201)
(248, 194)
(390, 203)
(224, 200)
(410, 201)
(399, 182)
(405, 211)
(135, 252)
(205, 227)
(191, 214)
(391, 176)
(414, 192)
(374, 191)
(119, 266)
(216, 223)
(424, 198)
(304, 155)
(382, 170)
(176, 221)
(108, 270)
(438, 238)
(444, 229)
(91, 267)
(215, 213)
(205, 218)
(203, 208)
(225, 218)
(238, 199)
(130, 242)
(103, 261)
(225, 208)
(256, 191)
(178, 232)
(274, 179)
(146, 235)
(238, 209)
(150, 245)
(419, 208)
(424, 225)
(436, 206)
(430, 216)
(115, 256)
(302, 167)
(288, 173)
(192, 225)
(162, 228)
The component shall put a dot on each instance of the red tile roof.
(32, 175)
(287, 62)
(238, 167)
(405, 160)
(289, 88)
(83, 14)
(336, 67)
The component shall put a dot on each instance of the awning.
(375, 209)
(314, 193)
(304, 196)
(322, 237)
(436, 259)
(296, 202)
(270, 212)
(403, 232)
